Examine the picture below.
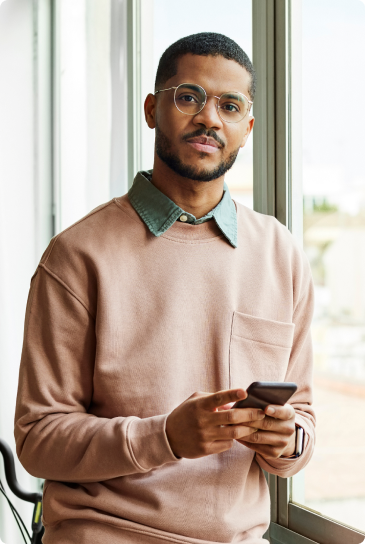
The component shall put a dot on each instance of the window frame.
(278, 192)
(120, 65)
(134, 85)
(43, 56)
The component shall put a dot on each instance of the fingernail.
(270, 411)
(241, 394)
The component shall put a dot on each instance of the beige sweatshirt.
(121, 327)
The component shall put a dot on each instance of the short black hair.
(204, 44)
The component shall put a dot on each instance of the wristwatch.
(299, 443)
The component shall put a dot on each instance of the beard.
(163, 151)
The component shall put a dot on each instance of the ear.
(150, 110)
(249, 128)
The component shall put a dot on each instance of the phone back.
(261, 394)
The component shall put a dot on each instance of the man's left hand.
(275, 436)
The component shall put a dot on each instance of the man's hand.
(203, 425)
(276, 433)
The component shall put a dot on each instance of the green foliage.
(318, 205)
(324, 206)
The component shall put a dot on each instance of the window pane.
(334, 240)
(90, 101)
(170, 24)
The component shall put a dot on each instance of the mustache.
(204, 132)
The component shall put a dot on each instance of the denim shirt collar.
(158, 212)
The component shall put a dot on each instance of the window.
(334, 240)
(90, 106)
(300, 50)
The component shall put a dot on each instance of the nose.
(208, 116)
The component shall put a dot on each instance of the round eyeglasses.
(191, 98)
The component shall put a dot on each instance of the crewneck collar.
(159, 213)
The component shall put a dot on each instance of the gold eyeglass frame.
(206, 99)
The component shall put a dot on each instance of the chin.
(198, 166)
(202, 160)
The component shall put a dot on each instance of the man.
(148, 318)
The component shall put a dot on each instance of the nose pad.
(203, 111)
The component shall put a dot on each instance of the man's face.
(202, 146)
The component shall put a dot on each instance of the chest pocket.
(259, 350)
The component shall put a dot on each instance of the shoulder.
(76, 255)
(281, 248)
(260, 224)
(93, 232)
(266, 230)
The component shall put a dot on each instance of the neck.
(195, 197)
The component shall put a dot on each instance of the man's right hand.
(203, 424)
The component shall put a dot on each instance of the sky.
(334, 96)
(174, 19)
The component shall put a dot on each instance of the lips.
(204, 144)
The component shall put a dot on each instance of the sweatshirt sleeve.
(56, 437)
(300, 371)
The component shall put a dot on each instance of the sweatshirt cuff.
(148, 443)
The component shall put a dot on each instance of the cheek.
(234, 139)
(170, 120)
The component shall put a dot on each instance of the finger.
(211, 402)
(267, 438)
(226, 406)
(199, 394)
(271, 424)
(235, 416)
(220, 445)
(280, 412)
(230, 432)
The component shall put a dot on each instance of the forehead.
(215, 74)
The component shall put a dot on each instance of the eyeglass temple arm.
(169, 89)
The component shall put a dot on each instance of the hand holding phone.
(276, 434)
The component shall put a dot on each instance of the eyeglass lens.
(191, 99)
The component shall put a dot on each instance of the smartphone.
(261, 394)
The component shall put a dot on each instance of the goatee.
(163, 150)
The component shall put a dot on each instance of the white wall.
(17, 220)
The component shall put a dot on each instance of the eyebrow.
(191, 86)
(235, 96)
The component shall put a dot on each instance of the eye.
(230, 107)
(233, 105)
(190, 98)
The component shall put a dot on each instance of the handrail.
(11, 476)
